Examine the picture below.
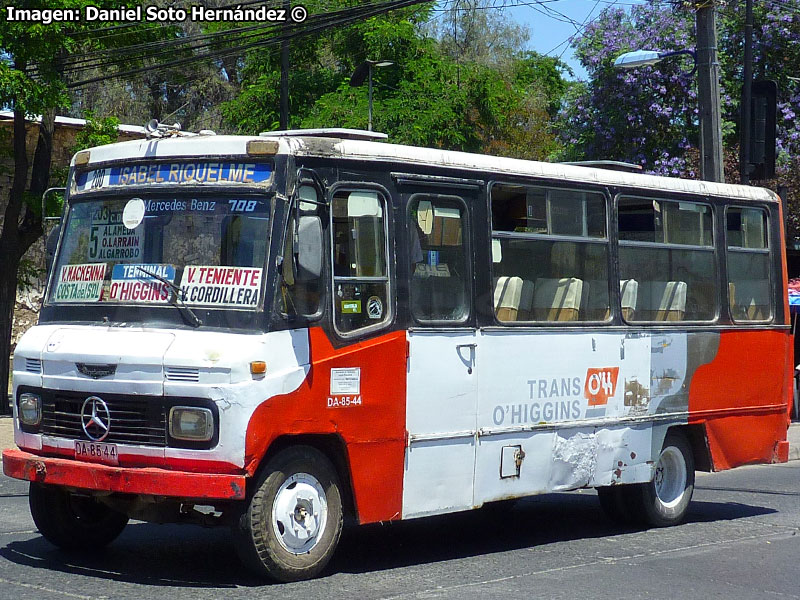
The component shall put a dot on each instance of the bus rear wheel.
(293, 521)
(71, 521)
(662, 502)
(665, 500)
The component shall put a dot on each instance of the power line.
(325, 22)
(199, 42)
(110, 56)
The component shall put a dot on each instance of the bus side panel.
(741, 397)
(369, 417)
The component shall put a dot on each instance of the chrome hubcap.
(299, 513)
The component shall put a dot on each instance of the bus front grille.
(134, 420)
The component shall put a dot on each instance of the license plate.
(96, 452)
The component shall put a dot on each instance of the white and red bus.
(275, 332)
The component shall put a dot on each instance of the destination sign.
(80, 283)
(136, 283)
(174, 173)
(222, 286)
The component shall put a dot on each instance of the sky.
(552, 23)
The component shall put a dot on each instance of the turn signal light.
(258, 367)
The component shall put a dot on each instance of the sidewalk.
(7, 437)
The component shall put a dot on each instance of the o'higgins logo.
(559, 399)
(601, 384)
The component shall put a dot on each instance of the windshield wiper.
(177, 298)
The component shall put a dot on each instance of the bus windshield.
(137, 249)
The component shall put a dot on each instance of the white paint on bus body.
(579, 406)
(143, 357)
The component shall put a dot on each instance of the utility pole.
(747, 88)
(711, 168)
(284, 122)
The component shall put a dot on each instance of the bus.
(276, 333)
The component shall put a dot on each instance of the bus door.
(443, 354)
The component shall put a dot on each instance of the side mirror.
(308, 251)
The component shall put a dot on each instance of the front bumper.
(125, 480)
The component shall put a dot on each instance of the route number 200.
(242, 205)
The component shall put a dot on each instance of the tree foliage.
(649, 115)
(32, 84)
(475, 95)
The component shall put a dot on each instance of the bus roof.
(358, 149)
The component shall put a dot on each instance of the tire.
(293, 521)
(71, 521)
(659, 503)
(665, 500)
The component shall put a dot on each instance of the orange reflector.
(258, 367)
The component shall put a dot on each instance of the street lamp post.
(643, 58)
(364, 71)
(711, 168)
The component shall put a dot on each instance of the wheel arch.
(330, 445)
(698, 442)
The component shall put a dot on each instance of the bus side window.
(360, 261)
(299, 297)
(749, 287)
(439, 265)
(667, 248)
(549, 254)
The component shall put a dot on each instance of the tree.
(478, 107)
(32, 83)
(648, 115)
(476, 31)
(24, 47)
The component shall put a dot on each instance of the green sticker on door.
(351, 307)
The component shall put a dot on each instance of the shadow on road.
(507, 526)
(190, 556)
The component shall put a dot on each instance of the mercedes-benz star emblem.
(95, 418)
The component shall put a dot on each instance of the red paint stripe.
(148, 480)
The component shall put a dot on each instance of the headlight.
(30, 409)
(191, 423)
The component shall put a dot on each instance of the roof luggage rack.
(332, 132)
(610, 165)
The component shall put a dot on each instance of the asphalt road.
(741, 541)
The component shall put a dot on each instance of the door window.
(439, 259)
(360, 260)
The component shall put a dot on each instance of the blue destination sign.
(121, 271)
(175, 173)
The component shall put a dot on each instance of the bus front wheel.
(71, 521)
(293, 521)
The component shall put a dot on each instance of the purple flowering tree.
(649, 115)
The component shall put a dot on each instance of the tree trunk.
(8, 250)
(21, 228)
